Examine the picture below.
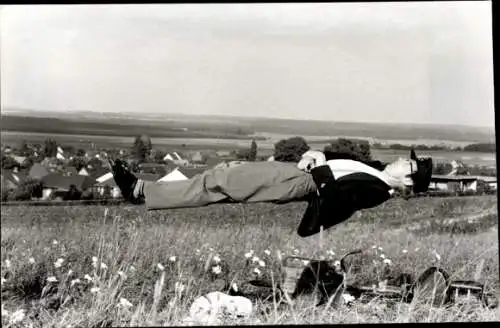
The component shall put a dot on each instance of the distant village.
(85, 175)
(60, 179)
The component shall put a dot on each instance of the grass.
(134, 252)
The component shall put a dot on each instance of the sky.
(406, 62)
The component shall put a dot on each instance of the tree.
(28, 189)
(242, 154)
(73, 193)
(9, 163)
(80, 152)
(342, 148)
(25, 149)
(290, 150)
(50, 148)
(141, 148)
(252, 156)
(78, 162)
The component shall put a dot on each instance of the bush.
(29, 188)
(341, 148)
(290, 150)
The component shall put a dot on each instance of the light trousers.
(278, 182)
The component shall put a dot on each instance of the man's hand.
(311, 159)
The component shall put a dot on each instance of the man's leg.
(246, 183)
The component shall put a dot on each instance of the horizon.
(19, 111)
(383, 63)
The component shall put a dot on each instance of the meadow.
(95, 266)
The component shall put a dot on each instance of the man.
(334, 189)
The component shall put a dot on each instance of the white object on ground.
(212, 307)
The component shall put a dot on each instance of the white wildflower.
(382, 256)
(330, 252)
(75, 281)
(124, 303)
(70, 272)
(296, 251)
(387, 261)
(380, 249)
(257, 271)
(58, 263)
(211, 249)
(267, 252)
(94, 259)
(88, 277)
(3, 280)
(132, 268)
(17, 316)
(52, 279)
(374, 246)
(348, 298)
(160, 267)
(31, 260)
(103, 266)
(55, 242)
(94, 290)
(197, 251)
(262, 263)
(179, 287)
(121, 274)
(216, 269)
(5, 313)
(7, 264)
(305, 262)
(234, 286)
(404, 251)
(438, 257)
(216, 258)
(248, 255)
(255, 259)
(172, 259)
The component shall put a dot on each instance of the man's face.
(402, 170)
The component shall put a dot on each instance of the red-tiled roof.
(38, 171)
(147, 176)
(190, 172)
(58, 181)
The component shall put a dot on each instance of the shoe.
(125, 180)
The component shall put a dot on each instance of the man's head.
(411, 174)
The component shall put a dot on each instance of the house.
(197, 157)
(108, 187)
(453, 183)
(182, 173)
(60, 154)
(12, 179)
(70, 171)
(175, 175)
(19, 159)
(83, 171)
(57, 184)
(38, 171)
(223, 153)
(491, 182)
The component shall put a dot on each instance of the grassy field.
(133, 248)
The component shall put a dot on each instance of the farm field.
(265, 147)
(132, 248)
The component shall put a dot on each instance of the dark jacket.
(339, 199)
